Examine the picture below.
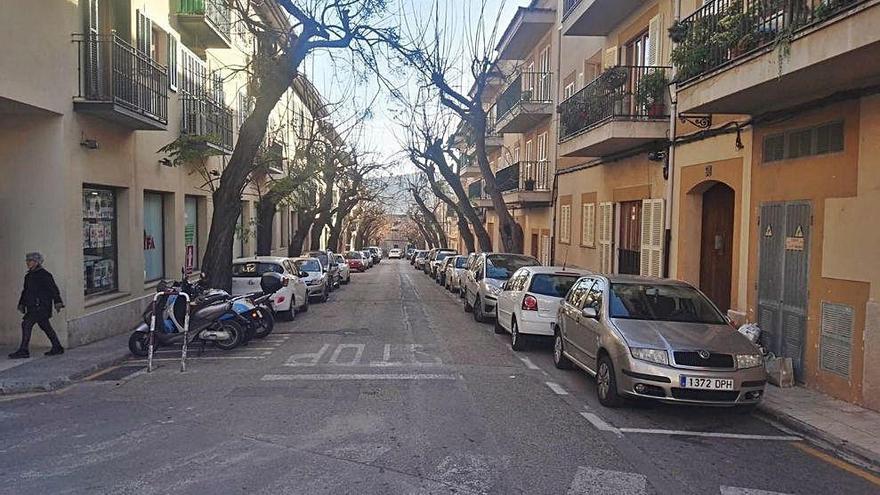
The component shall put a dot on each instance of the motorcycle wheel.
(266, 325)
(235, 335)
(138, 344)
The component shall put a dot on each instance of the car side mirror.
(303, 274)
(590, 312)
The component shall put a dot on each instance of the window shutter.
(144, 33)
(588, 224)
(652, 238)
(565, 223)
(609, 59)
(172, 62)
(655, 41)
(606, 236)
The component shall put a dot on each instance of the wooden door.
(535, 245)
(630, 238)
(716, 246)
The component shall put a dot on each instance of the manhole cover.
(117, 374)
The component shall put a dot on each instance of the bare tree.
(432, 223)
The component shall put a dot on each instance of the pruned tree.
(432, 223)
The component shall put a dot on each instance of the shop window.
(191, 233)
(798, 143)
(99, 240)
(154, 237)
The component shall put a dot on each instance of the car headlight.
(659, 356)
(493, 290)
(744, 361)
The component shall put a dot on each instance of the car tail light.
(530, 303)
(280, 300)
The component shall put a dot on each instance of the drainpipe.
(670, 163)
(554, 191)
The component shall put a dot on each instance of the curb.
(822, 439)
(57, 383)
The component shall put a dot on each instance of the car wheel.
(467, 305)
(606, 383)
(559, 359)
(517, 341)
(479, 317)
(290, 314)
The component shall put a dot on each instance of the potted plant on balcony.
(650, 93)
(529, 184)
(526, 95)
(678, 31)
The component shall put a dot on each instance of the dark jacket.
(39, 294)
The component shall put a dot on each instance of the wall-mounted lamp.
(166, 162)
(214, 173)
(91, 144)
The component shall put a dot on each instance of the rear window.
(502, 266)
(422, 254)
(353, 256)
(255, 269)
(461, 262)
(321, 256)
(551, 284)
(308, 265)
(442, 256)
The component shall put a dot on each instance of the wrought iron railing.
(202, 116)
(111, 70)
(527, 87)
(492, 121)
(623, 92)
(529, 175)
(475, 190)
(723, 31)
(568, 6)
(217, 12)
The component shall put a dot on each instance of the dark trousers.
(27, 325)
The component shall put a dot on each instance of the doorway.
(534, 245)
(630, 238)
(716, 244)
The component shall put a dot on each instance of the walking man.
(39, 295)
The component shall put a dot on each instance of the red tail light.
(530, 303)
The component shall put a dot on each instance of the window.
(798, 143)
(662, 302)
(154, 237)
(567, 91)
(579, 293)
(565, 223)
(552, 284)
(588, 224)
(594, 296)
(255, 269)
(99, 240)
(191, 233)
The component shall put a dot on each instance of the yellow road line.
(839, 463)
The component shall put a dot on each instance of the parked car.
(440, 278)
(656, 339)
(484, 279)
(395, 254)
(439, 256)
(344, 270)
(376, 253)
(421, 258)
(409, 252)
(412, 257)
(454, 271)
(316, 278)
(328, 264)
(355, 261)
(293, 295)
(529, 301)
(368, 257)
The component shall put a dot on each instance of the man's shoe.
(20, 354)
(55, 351)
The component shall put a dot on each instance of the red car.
(355, 261)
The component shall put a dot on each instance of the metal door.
(783, 279)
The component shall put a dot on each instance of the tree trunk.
(265, 225)
(304, 221)
(463, 228)
(431, 219)
(464, 231)
(511, 232)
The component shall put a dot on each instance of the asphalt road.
(388, 388)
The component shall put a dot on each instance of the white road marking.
(355, 359)
(528, 362)
(360, 376)
(737, 436)
(267, 353)
(600, 424)
(307, 359)
(589, 481)
(732, 490)
(556, 388)
(190, 356)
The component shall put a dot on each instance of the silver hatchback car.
(657, 339)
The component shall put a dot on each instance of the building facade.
(84, 112)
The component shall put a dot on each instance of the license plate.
(702, 383)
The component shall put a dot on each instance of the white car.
(395, 253)
(344, 269)
(484, 278)
(529, 300)
(454, 272)
(293, 297)
(315, 277)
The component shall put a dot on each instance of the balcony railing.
(217, 12)
(524, 176)
(112, 71)
(475, 190)
(620, 93)
(202, 116)
(568, 6)
(723, 31)
(528, 87)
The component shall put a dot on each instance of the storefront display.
(99, 240)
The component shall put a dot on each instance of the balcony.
(595, 17)
(120, 84)
(524, 32)
(525, 183)
(478, 195)
(204, 23)
(469, 170)
(750, 57)
(204, 117)
(526, 102)
(623, 108)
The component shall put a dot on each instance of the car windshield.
(353, 256)
(661, 302)
(339, 258)
(552, 284)
(421, 254)
(461, 262)
(501, 266)
(255, 269)
(321, 257)
(443, 256)
(308, 265)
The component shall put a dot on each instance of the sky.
(380, 131)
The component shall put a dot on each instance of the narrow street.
(387, 388)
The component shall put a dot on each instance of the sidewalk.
(850, 431)
(44, 373)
